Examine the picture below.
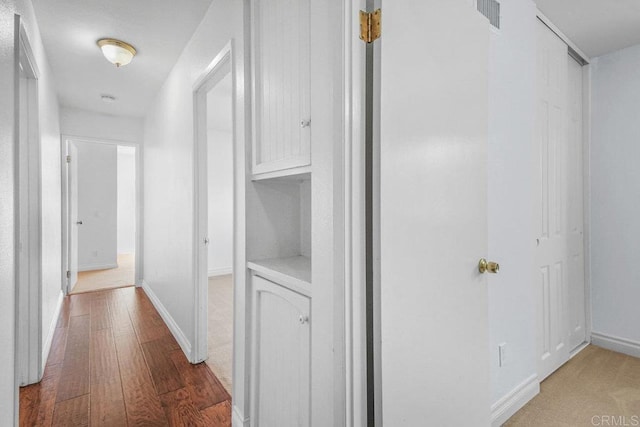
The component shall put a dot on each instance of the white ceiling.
(158, 29)
(597, 27)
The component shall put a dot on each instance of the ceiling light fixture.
(117, 52)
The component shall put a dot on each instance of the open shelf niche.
(279, 230)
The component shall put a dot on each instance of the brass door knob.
(485, 266)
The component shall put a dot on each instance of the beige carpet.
(220, 327)
(95, 280)
(594, 388)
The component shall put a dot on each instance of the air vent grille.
(490, 9)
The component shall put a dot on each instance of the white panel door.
(281, 42)
(280, 371)
(433, 213)
(575, 208)
(558, 199)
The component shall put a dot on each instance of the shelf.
(302, 173)
(293, 272)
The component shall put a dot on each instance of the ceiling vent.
(490, 9)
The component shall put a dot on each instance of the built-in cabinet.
(280, 355)
(279, 214)
(281, 106)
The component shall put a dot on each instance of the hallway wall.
(50, 187)
(512, 316)
(126, 200)
(7, 185)
(75, 122)
(169, 178)
(615, 197)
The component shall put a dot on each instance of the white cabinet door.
(282, 122)
(280, 368)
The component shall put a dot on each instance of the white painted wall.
(97, 205)
(7, 209)
(168, 164)
(220, 168)
(76, 122)
(615, 194)
(126, 209)
(512, 316)
(50, 186)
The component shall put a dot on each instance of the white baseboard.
(621, 345)
(52, 329)
(237, 420)
(509, 404)
(97, 267)
(184, 343)
(220, 271)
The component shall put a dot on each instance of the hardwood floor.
(113, 362)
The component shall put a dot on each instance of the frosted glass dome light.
(117, 52)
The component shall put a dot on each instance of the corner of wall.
(177, 333)
(46, 348)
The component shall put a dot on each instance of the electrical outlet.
(502, 353)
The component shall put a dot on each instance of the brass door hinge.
(370, 25)
(68, 159)
(68, 274)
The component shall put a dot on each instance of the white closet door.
(558, 199)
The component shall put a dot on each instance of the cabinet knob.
(303, 319)
(305, 123)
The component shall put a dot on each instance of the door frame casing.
(218, 68)
(66, 226)
(586, 200)
(355, 231)
(232, 56)
(30, 350)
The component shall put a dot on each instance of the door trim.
(30, 360)
(355, 233)
(546, 21)
(586, 199)
(65, 139)
(216, 70)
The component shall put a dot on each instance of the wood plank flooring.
(113, 362)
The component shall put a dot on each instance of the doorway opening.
(101, 215)
(214, 201)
